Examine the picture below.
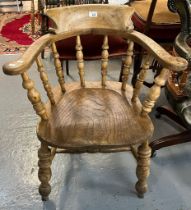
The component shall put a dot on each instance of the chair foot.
(44, 172)
(45, 198)
(143, 169)
(140, 195)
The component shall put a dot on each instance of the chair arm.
(160, 54)
(23, 63)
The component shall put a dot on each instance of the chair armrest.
(164, 58)
(23, 63)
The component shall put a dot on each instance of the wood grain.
(105, 16)
(94, 117)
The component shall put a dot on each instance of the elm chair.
(155, 19)
(93, 116)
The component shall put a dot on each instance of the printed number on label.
(93, 14)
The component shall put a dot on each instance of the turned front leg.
(143, 168)
(44, 173)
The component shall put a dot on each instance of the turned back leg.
(143, 168)
(44, 173)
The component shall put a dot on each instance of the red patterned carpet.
(15, 32)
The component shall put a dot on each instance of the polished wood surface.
(96, 116)
(99, 116)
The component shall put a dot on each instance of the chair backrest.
(96, 19)
(65, 18)
(47, 4)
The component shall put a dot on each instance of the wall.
(117, 1)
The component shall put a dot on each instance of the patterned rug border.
(11, 46)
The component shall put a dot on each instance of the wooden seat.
(93, 116)
(99, 117)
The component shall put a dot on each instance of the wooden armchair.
(96, 116)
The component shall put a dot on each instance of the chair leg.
(143, 168)
(44, 173)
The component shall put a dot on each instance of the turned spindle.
(58, 67)
(127, 64)
(34, 96)
(155, 91)
(80, 60)
(140, 79)
(44, 79)
(104, 59)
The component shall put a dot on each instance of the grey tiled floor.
(87, 181)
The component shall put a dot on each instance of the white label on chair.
(92, 13)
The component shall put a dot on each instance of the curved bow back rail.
(91, 16)
(96, 116)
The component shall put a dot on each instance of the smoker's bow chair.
(96, 116)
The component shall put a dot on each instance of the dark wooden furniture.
(96, 116)
(178, 88)
(153, 18)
